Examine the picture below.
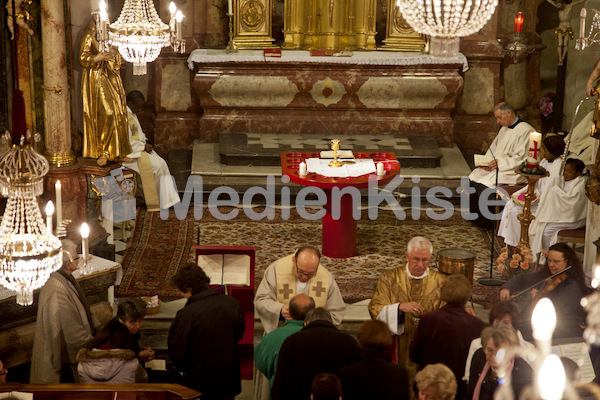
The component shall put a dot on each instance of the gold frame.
(399, 35)
(252, 24)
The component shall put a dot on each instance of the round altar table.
(339, 235)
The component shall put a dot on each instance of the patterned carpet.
(159, 247)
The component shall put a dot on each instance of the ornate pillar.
(57, 101)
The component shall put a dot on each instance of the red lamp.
(519, 22)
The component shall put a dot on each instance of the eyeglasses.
(417, 260)
(304, 273)
(555, 261)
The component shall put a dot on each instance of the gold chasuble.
(395, 286)
(318, 285)
(145, 167)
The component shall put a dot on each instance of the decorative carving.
(252, 16)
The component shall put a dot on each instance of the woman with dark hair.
(110, 357)
(375, 376)
(565, 291)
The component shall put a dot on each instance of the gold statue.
(335, 146)
(105, 135)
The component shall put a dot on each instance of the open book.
(226, 269)
(481, 160)
(341, 154)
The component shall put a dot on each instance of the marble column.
(57, 102)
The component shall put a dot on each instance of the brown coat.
(61, 330)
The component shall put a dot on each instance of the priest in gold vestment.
(105, 135)
(405, 293)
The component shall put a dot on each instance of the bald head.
(306, 263)
(301, 304)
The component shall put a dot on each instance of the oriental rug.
(158, 248)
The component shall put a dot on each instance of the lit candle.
(582, 16)
(49, 212)
(172, 9)
(230, 7)
(535, 149)
(543, 322)
(179, 18)
(302, 169)
(519, 22)
(551, 379)
(85, 232)
(380, 170)
(57, 190)
(103, 21)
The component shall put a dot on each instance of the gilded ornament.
(252, 16)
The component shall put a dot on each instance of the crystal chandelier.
(29, 252)
(446, 20)
(139, 34)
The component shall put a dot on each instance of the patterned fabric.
(159, 247)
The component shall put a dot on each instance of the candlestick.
(519, 22)
(231, 46)
(49, 212)
(582, 15)
(178, 31)
(230, 6)
(85, 232)
(58, 192)
(380, 170)
(302, 169)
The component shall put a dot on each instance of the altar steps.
(263, 149)
(417, 181)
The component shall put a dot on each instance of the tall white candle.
(58, 191)
(230, 6)
(582, 16)
(178, 31)
(380, 170)
(85, 232)
(302, 168)
(534, 154)
(49, 212)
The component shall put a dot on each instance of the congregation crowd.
(423, 341)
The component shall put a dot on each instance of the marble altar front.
(367, 93)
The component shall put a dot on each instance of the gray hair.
(504, 107)
(318, 314)
(419, 242)
(69, 251)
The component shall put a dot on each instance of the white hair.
(419, 242)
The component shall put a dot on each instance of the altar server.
(158, 184)
(562, 206)
(508, 151)
(510, 226)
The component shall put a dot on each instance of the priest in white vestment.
(297, 273)
(510, 226)
(563, 205)
(157, 183)
(508, 151)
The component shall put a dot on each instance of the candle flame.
(85, 230)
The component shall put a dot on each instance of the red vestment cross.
(534, 150)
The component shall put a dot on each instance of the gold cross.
(286, 291)
(319, 289)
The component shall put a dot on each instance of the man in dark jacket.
(203, 338)
(445, 335)
(318, 348)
